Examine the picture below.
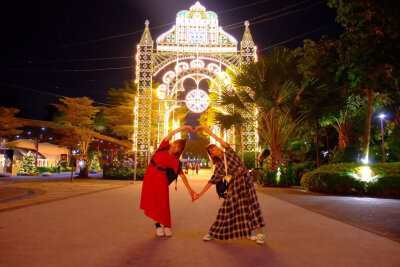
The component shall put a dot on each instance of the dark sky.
(45, 44)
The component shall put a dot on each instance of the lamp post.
(382, 116)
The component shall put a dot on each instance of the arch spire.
(247, 40)
(146, 36)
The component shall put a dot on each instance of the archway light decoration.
(197, 100)
(195, 47)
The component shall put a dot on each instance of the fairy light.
(196, 48)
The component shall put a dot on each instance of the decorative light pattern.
(161, 90)
(197, 63)
(168, 76)
(196, 47)
(181, 67)
(197, 100)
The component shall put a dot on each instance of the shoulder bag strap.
(226, 166)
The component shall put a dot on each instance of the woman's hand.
(199, 128)
(192, 194)
(197, 196)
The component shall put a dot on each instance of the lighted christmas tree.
(94, 164)
(28, 166)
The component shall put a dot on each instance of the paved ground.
(101, 225)
(377, 215)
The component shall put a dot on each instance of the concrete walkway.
(107, 228)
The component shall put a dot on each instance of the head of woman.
(177, 147)
(215, 153)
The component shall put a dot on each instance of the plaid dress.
(240, 212)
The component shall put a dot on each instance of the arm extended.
(207, 130)
(206, 187)
(186, 182)
(169, 136)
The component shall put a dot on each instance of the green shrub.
(286, 178)
(341, 179)
(267, 178)
(66, 169)
(249, 160)
(53, 169)
(393, 145)
(123, 174)
(348, 154)
(387, 186)
(301, 168)
(386, 169)
(332, 183)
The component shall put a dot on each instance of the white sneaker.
(160, 231)
(167, 231)
(207, 237)
(260, 239)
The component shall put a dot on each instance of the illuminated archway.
(195, 47)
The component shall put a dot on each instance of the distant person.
(192, 166)
(240, 211)
(187, 167)
(155, 191)
(197, 167)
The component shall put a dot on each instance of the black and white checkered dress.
(240, 212)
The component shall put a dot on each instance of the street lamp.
(382, 116)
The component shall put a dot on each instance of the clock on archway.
(197, 100)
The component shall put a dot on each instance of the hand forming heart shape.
(190, 128)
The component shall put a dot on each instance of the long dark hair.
(182, 145)
(214, 159)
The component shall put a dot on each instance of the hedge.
(387, 186)
(53, 169)
(123, 174)
(342, 179)
(301, 168)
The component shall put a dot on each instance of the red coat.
(155, 191)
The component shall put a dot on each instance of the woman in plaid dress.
(240, 212)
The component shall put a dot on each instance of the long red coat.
(155, 191)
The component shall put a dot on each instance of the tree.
(345, 120)
(273, 85)
(316, 103)
(318, 61)
(120, 115)
(235, 115)
(28, 165)
(78, 120)
(8, 124)
(77, 124)
(196, 147)
(367, 50)
(94, 163)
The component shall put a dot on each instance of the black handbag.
(222, 188)
(222, 185)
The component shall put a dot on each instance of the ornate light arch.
(161, 64)
(195, 36)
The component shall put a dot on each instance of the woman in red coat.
(155, 191)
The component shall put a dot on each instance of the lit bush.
(342, 179)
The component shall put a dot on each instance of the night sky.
(52, 48)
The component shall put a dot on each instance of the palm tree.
(273, 86)
(346, 118)
(232, 118)
(317, 102)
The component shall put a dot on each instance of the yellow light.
(278, 174)
(365, 174)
